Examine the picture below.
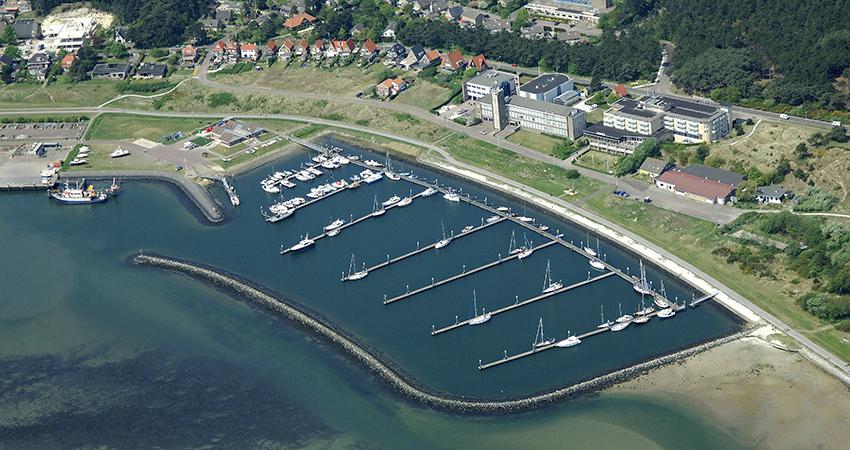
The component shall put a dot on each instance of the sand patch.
(146, 143)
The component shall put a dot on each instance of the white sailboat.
(407, 200)
(444, 241)
(527, 249)
(539, 339)
(512, 248)
(375, 210)
(642, 316)
(429, 192)
(642, 286)
(478, 319)
(666, 313)
(353, 273)
(623, 317)
(548, 284)
(604, 323)
(587, 248)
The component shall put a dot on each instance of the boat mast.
(512, 243)
(547, 281)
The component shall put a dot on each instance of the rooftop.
(653, 165)
(634, 108)
(680, 107)
(489, 77)
(613, 133)
(713, 173)
(544, 83)
(696, 185)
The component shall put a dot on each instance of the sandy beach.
(762, 396)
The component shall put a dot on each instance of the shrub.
(221, 99)
(825, 306)
(815, 199)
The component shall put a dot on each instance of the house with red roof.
(68, 61)
(479, 62)
(370, 50)
(390, 87)
(299, 20)
(303, 49)
(695, 187)
(621, 90)
(319, 49)
(226, 51)
(190, 56)
(286, 50)
(453, 61)
(341, 48)
(430, 58)
(249, 51)
(271, 48)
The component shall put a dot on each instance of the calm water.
(97, 352)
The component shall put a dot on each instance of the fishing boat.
(571, 341)
(391, 201)
(334, 225)
(81, 194)
(548, 284)
(303, 244)
(375, 210)
(353, 273)
(451, 196)
(604, 323)
(666, 313)
(119, 152)
(444, 241)
(527, 249)
(539, 339)
(467, 229)
(478, 319)
(492, 219)
(623, 317)
(642, 286)
(429, 192)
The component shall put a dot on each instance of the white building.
(481, 84)
(68, 34)
(572, 11)
(537, 115)
(691, 122)
(547, 87)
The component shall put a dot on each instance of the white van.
(784, 116)
(836, 123)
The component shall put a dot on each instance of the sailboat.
(595, 262)
(642, 286)
(375, 210)
(548, 284)
(661, 301)
(587, 249)
(407, 200)
(444, 241)
(527, 249)
(539, 339)
(353, 274)
(623, 317)
(389, 169)
(478, 319)
(642, 316)
(512, 248)
(604, 323)
(570, 341)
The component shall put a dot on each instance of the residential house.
(148, 71)
(121, 36)
(370, 50)
(695, 187)
(653, 167)
(319, 49)
(211, 24)
(303, 49)
(390, 87)
(472, 18)
(454, 13)
(341, 48)
(396, 51)
(414, 56)
(249, 51)
(118, 71)
(479, 62)
(496, 24)
(534, 31)
(68, 61)
(226, 51)
(389, 32)
(357, 29)
(774, 194)
(453, 61)
(26, 29)
(621, 90)
(271, 49)
(286, 50)
(431, 58)
(223, 15)
(190, 56)
(299, 20)
(230, 132)
(37, 65)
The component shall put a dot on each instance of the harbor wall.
(393, 376)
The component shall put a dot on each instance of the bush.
(825, 306)
(815, 199)
(843, 326)
(630, 164)
(221, 99)
(571, 174)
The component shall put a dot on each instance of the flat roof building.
(230, 132)
(481, 84)
(536, 115)
(547, 87)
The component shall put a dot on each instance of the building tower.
(500, 113)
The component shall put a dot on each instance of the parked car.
(836, 123)
(784, 116)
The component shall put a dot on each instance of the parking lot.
(42, 131)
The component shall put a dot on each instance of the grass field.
(693, 240)
(598, 161)
(61, 93)
(99, 159)
(535, 141)
(346, 80)
(544, 177)
(111, 127)
(424, 94)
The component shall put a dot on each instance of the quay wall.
(394, 377)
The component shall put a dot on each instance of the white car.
(836, 123)
(784, 116)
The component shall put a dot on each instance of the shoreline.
(393, 376)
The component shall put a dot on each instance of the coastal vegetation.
(110, 127)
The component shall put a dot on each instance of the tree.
(817, 139)
(702, 152)
(8, 36)
(520, 21)
(802, 151)
(12, 52)
(84, 64)
(117, 50)
(838, 134)
(6, 73)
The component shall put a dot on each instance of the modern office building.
(691, 122)
(482, 84)
(547, 87)
(535, 115)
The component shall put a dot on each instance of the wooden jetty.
(428, 247)
(465, 273)
(526, 302)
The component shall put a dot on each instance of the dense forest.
(152, 23)
(632, 55)
(789, 51)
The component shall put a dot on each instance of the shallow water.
(98, 352)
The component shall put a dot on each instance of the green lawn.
(539, 175)
(99, 159)
(110, 127)
(693, 240)
(245, 157)
(60, 94)
(598, 161)
(535, 141)
(425, 95)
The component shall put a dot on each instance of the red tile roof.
(189, 50)
(432, 55)
(248, 47)
(621, 90)
(271, 45)
(479, 62)
(319, 44)
(370, 46)
(695, 185)
(298, 20)
(288, 44)
(68, 60)
(453, 60)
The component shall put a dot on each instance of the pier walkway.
(526, 302)
(428, 247)
(697, 302)
(465, 273)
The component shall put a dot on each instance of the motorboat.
(391, 201)
(525, 219)
(373, 178)
(666, 313)
(334, 225)
(303, 244)
(492, 219)
(429, 192)
(503, 209)
(392, 175)
(304, 176)
(372, 163)
(271, 188)
(353, 185)
(315, 171)
(478, 319)
(78, 161)
(277, 215)
(330, 165)
(571, 341)
(333, 232)
(451, 196)
(404, 202)
(597, 264)
(543, 227)
(640, 320)
(342, 160)
(467, 229)
(119, 153)
(287, 184)
(320, 158)
(298, 201)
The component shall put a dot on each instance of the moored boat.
(571, 341)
